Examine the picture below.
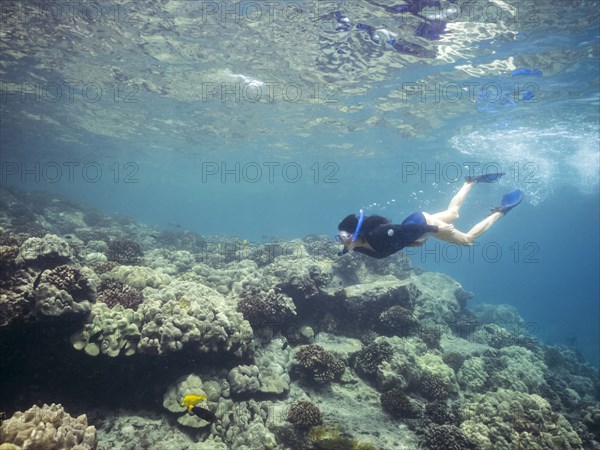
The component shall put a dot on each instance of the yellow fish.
(191, 400)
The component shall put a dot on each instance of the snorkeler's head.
(349, 231)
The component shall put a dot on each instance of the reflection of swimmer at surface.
(375, 236)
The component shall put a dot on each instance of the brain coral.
(47, 428)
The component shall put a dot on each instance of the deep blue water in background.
(548, 267)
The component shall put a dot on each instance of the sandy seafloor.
(107, 324)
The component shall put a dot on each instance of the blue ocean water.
(385, 136)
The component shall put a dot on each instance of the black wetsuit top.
(386, 238)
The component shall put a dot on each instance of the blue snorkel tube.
(361, 216)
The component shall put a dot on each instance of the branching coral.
(454, 360)
(70, 279)
(318, 364)
(113, 292)
(262, 308)
(397, 403)
(304, 415)
(124, 251)
(368, 358)
(446, 437)
(439, 413)
(433, 387)
(105, 267)
(398, 320)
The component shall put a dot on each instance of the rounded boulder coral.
(48, 427)
(318, 364)
(304, 414)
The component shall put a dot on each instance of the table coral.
(48, 428)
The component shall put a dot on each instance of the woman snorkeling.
(375, 236)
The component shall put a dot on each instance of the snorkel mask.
(347, 239)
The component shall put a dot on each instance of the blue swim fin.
(509, 201)
(485, 178)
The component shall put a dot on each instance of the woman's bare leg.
(452, 213)
(448, 233)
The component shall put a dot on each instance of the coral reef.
(185, 314)
(48, 428)
(187, 385)
(439, 413)
(304, 414)
(428, 373)
(319, 365)
(243, 379)
(454, 360)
